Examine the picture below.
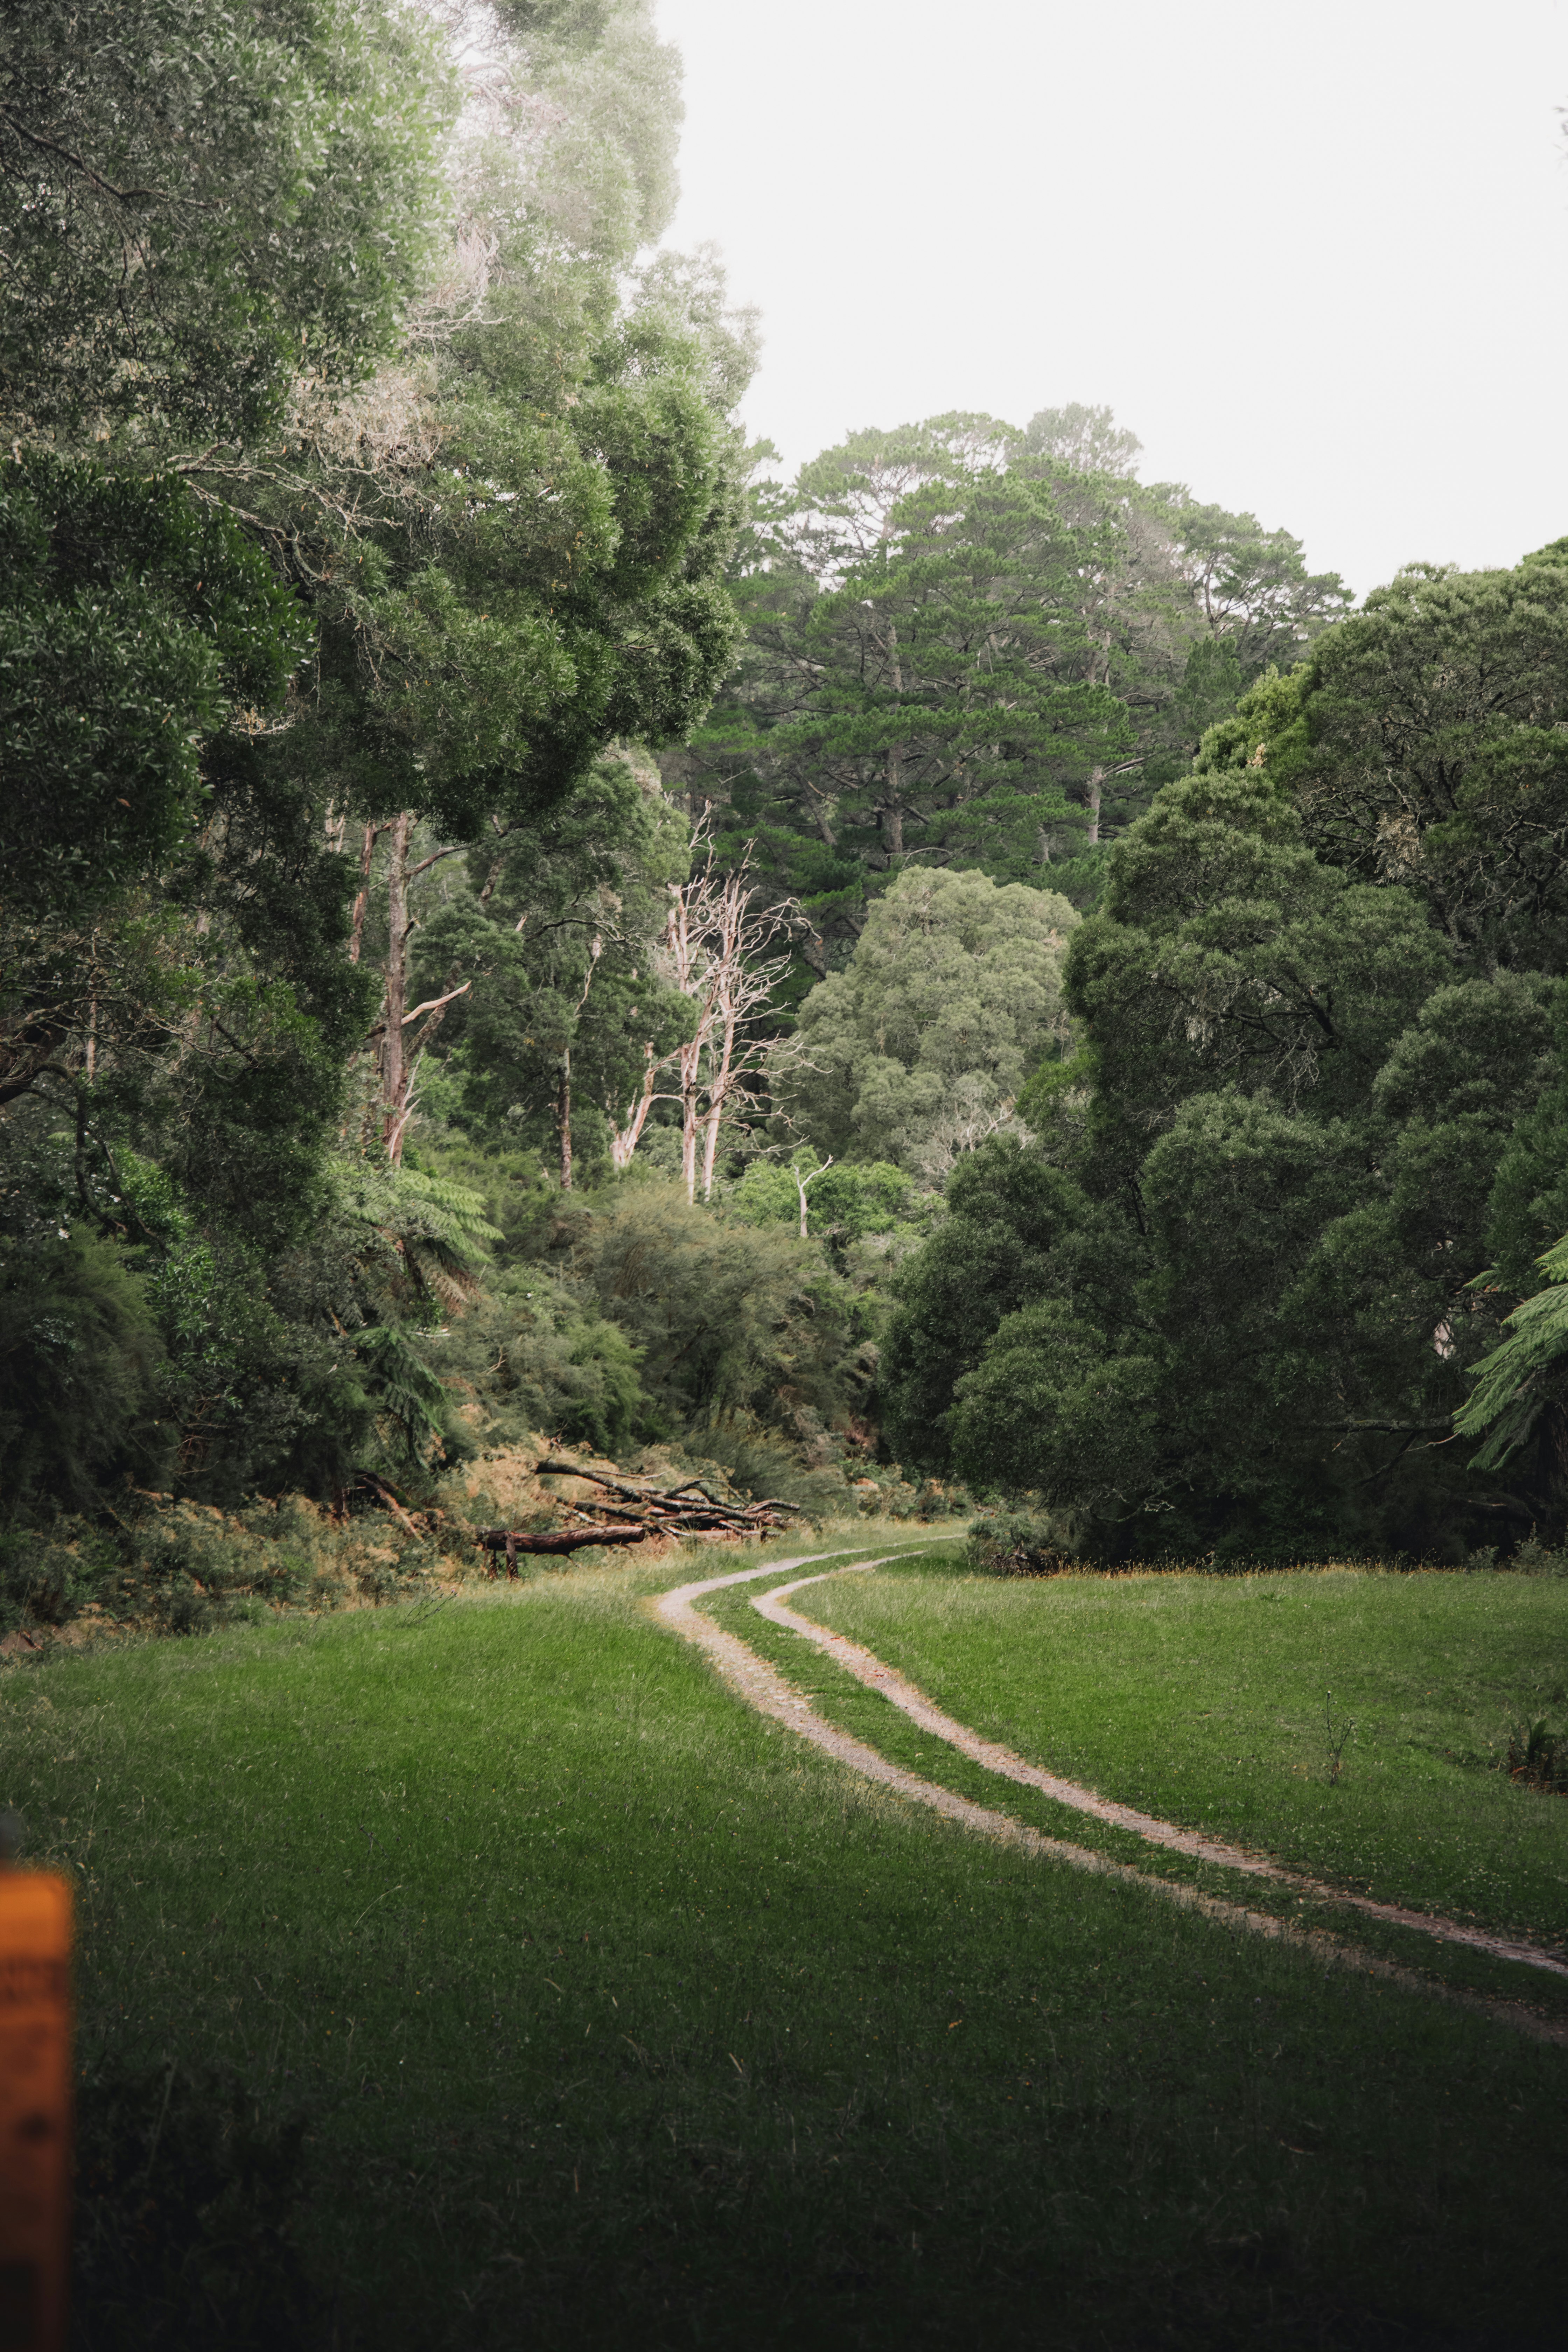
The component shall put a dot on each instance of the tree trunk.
(718, 1096)
(394, 1071)
(623, 1140)
(563, 1117)
(367, 850)
(1095, 782)
(690, 1068)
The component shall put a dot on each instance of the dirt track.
(764, 1688)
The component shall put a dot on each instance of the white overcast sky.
(1316, 257)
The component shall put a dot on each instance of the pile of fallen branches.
(637, 1512)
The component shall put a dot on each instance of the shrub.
(1535, 1558)
(1013, 1543)
(78, 1349)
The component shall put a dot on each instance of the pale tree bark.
(712, 953)
(803, 1185)
(435, 1007)
(738, 981)
(398, 1062)
(688, 962)
(396, 998)
(624, 1139)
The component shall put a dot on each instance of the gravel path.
(763, 1689)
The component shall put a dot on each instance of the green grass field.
(1203, 1699)
(483, 1974)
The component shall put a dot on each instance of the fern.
(1509, 1397)
(403, 1388)
(425, 1227)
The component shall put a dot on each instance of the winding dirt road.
(765, 1690)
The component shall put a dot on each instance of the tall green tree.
(1235, 1302)
(403, 491)
(985, 644)
(1422, 742)
(921, 1045)
(197, 206)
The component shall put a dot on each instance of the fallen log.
(615, 1486)
(708, 1515)
(390, 1499)
(511, 1540)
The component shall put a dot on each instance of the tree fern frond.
(1507, 1400)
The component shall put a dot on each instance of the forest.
(964, 976)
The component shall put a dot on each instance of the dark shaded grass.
(500, 1980)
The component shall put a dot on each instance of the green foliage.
(78, 1355)
(197, 206)
(135, 622)
(1010, 1218)
(1514, 1384)
(983, 646)
(845, 1203)
(724, 1315)
(455, 444)
(1422, 742)
(558, 932)
(1048, 1407)
(1277, 1147)
(919, 1048)
(539, 1360)
(1014, 1543)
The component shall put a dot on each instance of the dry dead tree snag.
(713, 952)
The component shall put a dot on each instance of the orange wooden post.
(35, 2108)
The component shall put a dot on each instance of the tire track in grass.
(911, 1701)
(765, 1690)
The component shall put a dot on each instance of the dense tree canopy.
(969, 957)
(984, 647)
(1312, 1112)
(366, 487)
(921, 1045)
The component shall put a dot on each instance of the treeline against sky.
(514, 921)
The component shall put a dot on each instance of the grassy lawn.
(1202, 1699)
(483, 1974)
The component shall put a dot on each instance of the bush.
(46, 1577)
(1013, 1543)
(78, 1351)
(1536, 1559)
(532, 1355)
